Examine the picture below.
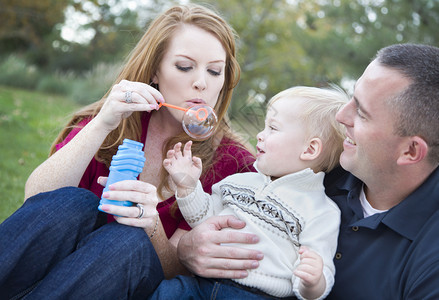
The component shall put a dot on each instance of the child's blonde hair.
(320, 106)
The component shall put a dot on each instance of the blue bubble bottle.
(126, 164)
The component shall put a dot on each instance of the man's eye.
(360, 114)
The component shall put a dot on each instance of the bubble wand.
(201, 113)
(200, 127)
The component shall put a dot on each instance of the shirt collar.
(406, 218)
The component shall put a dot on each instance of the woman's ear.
(312, 150)
(414, 151)
(155, 80)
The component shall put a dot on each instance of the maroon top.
(230, 158)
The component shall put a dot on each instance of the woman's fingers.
(143, 195)
(133, 190)
(130, 211)
(147, 223)
(125, 98)
(140, 92)
(133, 185)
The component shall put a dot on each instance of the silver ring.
(141, 210)
(128, 97)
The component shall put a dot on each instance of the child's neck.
(273, 178)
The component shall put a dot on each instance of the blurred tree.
(27, 25)
(116, 25)
(282, 42)
(33, 29)
(270, 52)
(314, 42)
(346, 34)
(113, 33)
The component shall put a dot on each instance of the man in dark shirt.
(389, 198)
(389, 235)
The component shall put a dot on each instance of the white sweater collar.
(304, 179)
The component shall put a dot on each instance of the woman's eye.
(213, 72)
(182, 68)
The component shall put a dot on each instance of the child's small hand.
(310, 269)
(184, 169)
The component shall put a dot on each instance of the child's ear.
(313, 150)
(415, 150)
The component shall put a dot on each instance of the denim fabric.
(58, 246)
(185, 287)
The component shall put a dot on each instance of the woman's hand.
(200, 249)
(141, 96)
(138, 192)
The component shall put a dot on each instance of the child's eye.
(272, 127)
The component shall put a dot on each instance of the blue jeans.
(59, 246)
(185, 287)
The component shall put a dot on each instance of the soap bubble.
(199, 121)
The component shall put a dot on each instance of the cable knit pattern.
(285, 213)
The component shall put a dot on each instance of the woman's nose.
(200, 83)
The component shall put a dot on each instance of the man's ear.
(414, 151)
(313, 150)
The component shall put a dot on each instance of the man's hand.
(200, 249)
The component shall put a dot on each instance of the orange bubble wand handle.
(172, 106)
(204, 113)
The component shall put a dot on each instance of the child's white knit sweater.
(285, 213)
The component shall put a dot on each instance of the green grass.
(29, 122)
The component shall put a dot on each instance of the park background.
(58, 55)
